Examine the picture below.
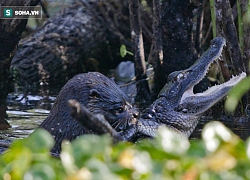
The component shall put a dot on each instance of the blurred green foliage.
(219, 155)
(236, 94)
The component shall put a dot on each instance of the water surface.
(25, 114)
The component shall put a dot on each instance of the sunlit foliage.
(219, 155)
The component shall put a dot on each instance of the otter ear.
(94, 93)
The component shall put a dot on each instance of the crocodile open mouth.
(200, 102)
(195, 104)
(177, 106)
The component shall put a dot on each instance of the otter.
(100, 95)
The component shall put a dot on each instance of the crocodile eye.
(184, 110)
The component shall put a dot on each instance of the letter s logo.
(8, 12)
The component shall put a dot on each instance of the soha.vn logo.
(7, 13)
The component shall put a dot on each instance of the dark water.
(24, 115)
(239, 125)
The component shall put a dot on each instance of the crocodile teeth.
(232, 82)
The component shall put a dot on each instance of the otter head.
(106, 98)
(97, 93)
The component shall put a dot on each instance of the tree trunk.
(156, 57)
(143, 93)
(178, 45)
(86, 36)
(10, 34)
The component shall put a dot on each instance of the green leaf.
(100, 170)
(90, 146)
(40, 171)
(40, 140)
(123, 51)
(236, 94)
(17, 163)
(197, 148)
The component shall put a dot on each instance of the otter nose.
(135, 114)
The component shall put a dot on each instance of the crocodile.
(177, 106)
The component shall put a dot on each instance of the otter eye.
(118, 111)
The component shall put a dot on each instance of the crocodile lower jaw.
(198, 103)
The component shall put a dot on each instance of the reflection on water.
(25, 113)
(22, 122)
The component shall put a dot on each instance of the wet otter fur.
(98, 94)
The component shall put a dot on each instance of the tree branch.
(143, 92)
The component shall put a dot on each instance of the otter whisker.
(116, 124)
